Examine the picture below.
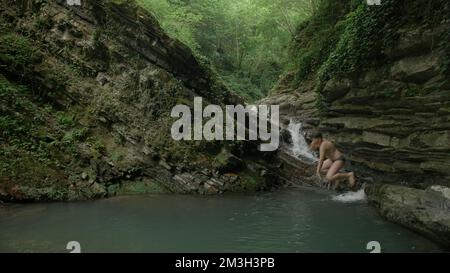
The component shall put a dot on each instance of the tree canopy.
(245, 40)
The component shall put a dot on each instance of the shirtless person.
(331, 161)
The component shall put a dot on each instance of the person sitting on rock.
(331, 161)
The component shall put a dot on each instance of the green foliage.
(77, 134)
(34, 141)
(243, 86)
(99, 146)
(20, 132)
(244, 40)
(363, 40)
(317, 37)
(141, 187)
(4, 26)
(177, 19)
(65, 119)
(44, 23)
(345, 38)
(249, 182)
(116, 157)
(17, 52)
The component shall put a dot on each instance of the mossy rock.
(146, 186)
(227, 162)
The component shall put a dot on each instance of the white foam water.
(350, 197)
(299, 147)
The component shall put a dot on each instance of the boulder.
(213, 186)
(424, 211)
(416, 69)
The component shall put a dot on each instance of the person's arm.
(321, 160)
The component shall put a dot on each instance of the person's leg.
(326, 165)
(334, 176)
(352, 181)
(333, 173)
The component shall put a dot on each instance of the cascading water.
(299, 147)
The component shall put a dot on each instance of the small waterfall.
(299, 147)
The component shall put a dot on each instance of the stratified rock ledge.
(424, 211)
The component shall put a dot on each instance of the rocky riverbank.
(86, 96)
(424, 211)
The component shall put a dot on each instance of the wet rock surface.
(424, 211)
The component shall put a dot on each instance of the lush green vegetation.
(370, 32)
(26, 148)
(245, 40)
(37, 142)
(344, 38)
(317, 37)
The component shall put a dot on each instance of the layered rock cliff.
(376, 81)
(86, 96)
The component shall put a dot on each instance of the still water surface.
(282, 221)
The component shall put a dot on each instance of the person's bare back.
(330, 151)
